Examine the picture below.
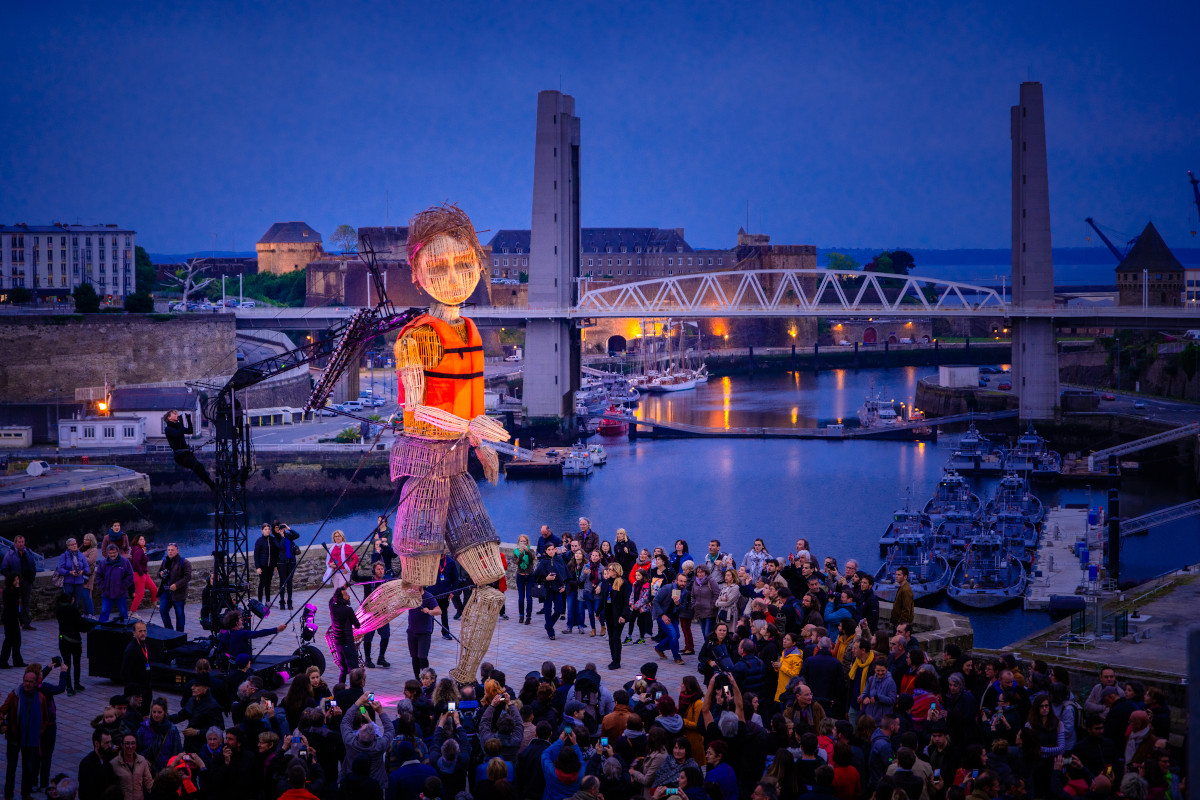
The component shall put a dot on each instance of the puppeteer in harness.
(439, 362)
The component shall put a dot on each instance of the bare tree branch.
(188, 278)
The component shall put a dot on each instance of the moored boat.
(577, 462)
(953, 495)
(1032, 456)
(613, 427)
(1013, 496)
(904, 522)
(988, 576)
(598, 453)
(976, 454)
(960, 529)
(876, 412)
(1017, 533)
(928, 572)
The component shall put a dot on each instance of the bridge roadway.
(319, 318)
(684, 430)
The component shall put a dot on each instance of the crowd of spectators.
(797, 687)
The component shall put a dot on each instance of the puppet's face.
(447, 269)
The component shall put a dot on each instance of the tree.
(191, 278)
(19, 294)
(345, 238)
(902, 262)
(880, 263)
(145, 273)
(840, 261)
(86, 299)
(140, 302)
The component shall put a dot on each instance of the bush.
(19, 294)
(139, 303)
(347, 436)
(86, 299)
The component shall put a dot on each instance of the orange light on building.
(102, 406)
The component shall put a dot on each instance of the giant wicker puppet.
(439, 361)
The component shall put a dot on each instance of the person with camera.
(562, 767)
(285, 543)
(175, 573)
(73, 570)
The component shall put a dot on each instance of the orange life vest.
(455, 383)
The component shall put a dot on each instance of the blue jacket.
(407, 780)
(555, 788)
(66, 563)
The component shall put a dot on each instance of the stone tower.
(1035, 350)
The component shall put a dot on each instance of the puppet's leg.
(476, 546)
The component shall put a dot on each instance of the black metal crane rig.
(1120, 254)
(231, 431)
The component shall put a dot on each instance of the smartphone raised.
(452, 706)
(371, 697)
(604, 741)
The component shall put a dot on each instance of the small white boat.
(577, 462)
(676, 382)
(876, 412)
(598, 453)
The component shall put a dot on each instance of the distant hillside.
(179, 258)
(1098, 256)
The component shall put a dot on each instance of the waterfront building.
(101, 432)
(51, 260)
(1191, 292)
(288, 246)
(614, 254)
(151, 403)
(1150, 261)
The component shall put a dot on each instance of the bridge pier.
(1035, 350)
(552, 346)
(816, 353)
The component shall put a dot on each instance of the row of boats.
(976, 553)
(1031, 456)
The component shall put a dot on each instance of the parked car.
(513, 357)
(247, 304)
(1139, 404)
(327, 411)
(988, 370)
(1108, 396)
(983, 383)
(373, 402)
(844, 343)
(1004, 387)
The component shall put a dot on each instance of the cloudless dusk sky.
(857, 124)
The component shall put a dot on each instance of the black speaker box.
(106, 645)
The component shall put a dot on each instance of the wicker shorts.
(440, 506)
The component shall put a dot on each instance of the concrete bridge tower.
(1035, 349)
(552, 346)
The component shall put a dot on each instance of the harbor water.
(838, 494)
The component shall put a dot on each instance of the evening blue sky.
(843, 123)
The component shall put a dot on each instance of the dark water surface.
(839, 495)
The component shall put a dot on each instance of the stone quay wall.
(45, 358)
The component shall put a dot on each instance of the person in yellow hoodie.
(789, 663)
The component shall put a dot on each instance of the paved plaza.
(517, 649)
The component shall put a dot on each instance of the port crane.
(1120, 254)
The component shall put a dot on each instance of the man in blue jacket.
(562, 766)
(551, 573)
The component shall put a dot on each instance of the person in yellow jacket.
(789, 663)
